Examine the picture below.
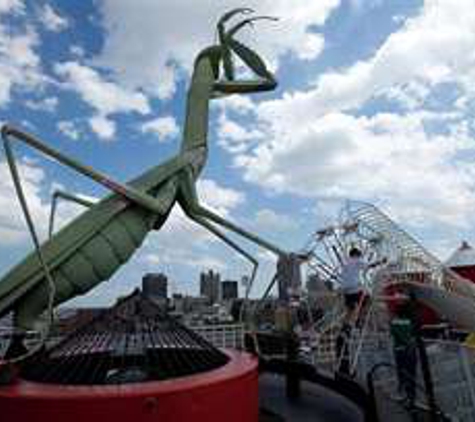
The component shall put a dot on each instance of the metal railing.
(453, 372)
(452, 367)
(436, 412)
(228, 336)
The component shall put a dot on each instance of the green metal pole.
(124, 190)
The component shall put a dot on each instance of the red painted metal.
(467, 272)
(393, 293)
(229, 394)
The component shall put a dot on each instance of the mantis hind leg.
(192, 207)
(189, 202)
(210, 227)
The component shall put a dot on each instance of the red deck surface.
(229, 394)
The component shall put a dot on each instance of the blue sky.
(375, 102)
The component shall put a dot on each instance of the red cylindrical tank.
(229, 393)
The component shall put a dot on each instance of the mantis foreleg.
(124, 190)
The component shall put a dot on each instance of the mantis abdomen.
(85, 253)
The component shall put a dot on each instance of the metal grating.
(408, 256)
(132, 342)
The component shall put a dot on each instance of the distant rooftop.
(464, 256)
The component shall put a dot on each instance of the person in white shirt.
(350, 279)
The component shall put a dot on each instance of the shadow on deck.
(316, 403)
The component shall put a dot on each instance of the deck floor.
(315, 404)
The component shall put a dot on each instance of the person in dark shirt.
(405, 349)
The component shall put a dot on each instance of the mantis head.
(229, 45)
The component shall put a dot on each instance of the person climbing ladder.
(351, 273)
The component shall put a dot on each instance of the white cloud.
(185, 257)
(104, 96)
(411, 95)
(267, 219)
(103, 127)
(312, 145)
(12, 225)
(163, 128)
(77, 51)
(386, 157)
(19, 62)
(37, 190)
(234, 137)
(418, 56)
(360, 6)
(69, 129)
(48, 104)
(240, 104)
(217, 197)
(52, 20)
(149, 40)
(11, 6)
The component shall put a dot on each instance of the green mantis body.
(92, 247)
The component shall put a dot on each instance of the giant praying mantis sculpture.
(92, 247)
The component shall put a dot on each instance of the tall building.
(229, 290)
(155, 285)
(210, 285)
